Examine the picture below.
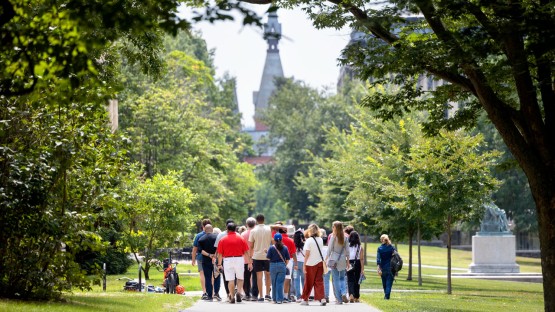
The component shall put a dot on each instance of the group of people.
(289, 261)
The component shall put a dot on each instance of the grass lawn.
(467, 294)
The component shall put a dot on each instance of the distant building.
(272, 69)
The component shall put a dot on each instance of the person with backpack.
(383, 258)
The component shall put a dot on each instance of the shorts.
(260, 265)
(234, 267)
(199, 264)
(290, 267)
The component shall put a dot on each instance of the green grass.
(115, 299)
(467, 294)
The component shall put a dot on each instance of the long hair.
(338, 232)
(298, 237)
(385, 239)
(354, 239)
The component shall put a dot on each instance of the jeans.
(387, 281)
(338, 280)
(277, 275)
(327, 284)
(299, 281)
(208, 269)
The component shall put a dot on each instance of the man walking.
(233, 251)
(260, 240)
(196, 257)
(247, 286)
(208, 252)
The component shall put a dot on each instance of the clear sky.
(307, 54)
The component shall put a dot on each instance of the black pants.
(353, 276)
(247, 281)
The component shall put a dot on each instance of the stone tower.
(272, 69)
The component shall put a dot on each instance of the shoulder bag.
(286, 268)
(323, 262)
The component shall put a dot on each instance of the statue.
(494, 221)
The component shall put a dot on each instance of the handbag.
(323, 262)
(331, 262)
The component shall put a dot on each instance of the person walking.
(233, 251)
(298, 278)
(220, 236)
(278, 255)
(260, 240)
(288, 286)
(196, 257)
(247, 280)
(383, 258)
(208, 252)
(337, 258)
(313, 267)
(356, 259)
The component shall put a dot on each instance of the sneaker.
(279, 302)
(310, 298)
(285, 300)
(217, 297)
(323, 302)
(238, 296)
(344, 298)
(208, 299)
(204, 296)
(327, 300)
(268, 297)
(304, 303)
(260, 299)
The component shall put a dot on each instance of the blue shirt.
(383, 258)
(195, 244)
(274, 256)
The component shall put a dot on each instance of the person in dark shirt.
(208, 251)
(383, 258)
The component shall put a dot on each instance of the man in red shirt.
(233, 251)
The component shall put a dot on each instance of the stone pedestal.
(494, 254)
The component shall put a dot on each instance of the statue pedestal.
(494, 254)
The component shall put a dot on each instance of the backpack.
(396, 263)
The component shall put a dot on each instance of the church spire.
(272, 69)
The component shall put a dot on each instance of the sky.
(306, 53)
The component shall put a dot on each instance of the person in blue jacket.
(385, 252)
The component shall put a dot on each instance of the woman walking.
(298, 277)
(313, 266)
(279, 257)
(383, 258)
(356, 260)
(338, 261)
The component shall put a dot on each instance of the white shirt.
(353, 252)
(310, 245)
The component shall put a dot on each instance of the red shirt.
(232, 245)
(290, 244)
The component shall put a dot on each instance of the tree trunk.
(419, 256)
(449, 254)
(411, 236)
(544, 196)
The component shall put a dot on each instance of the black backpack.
(396, 263)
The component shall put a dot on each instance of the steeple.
(272, 69)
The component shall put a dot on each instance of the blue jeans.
(208, 269)
(327, 284)
(277, 275)
(387, 281)
(338, 280)
(299, 281)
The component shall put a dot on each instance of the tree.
(154, 211)
(494, 56)
(451, 180)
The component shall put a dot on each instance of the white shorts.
(234, 267)
(290, 267)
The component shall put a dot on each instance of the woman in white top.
(356, 258)
(298, 280)
(313, 266)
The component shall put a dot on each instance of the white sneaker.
(304, 303)
(323, 302)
